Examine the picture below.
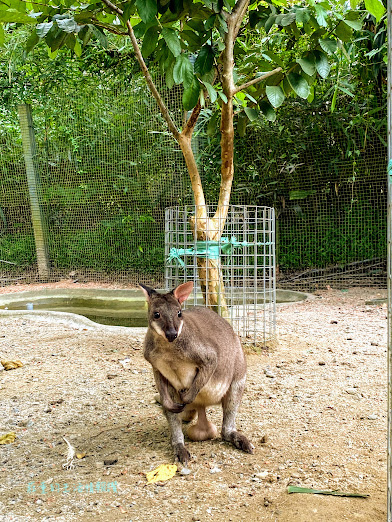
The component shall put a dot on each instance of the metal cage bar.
(238, 267)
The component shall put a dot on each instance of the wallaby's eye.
(179, 313)
(157, 315)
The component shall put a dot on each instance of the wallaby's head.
(164, 310)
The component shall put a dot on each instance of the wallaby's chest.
(179, 371)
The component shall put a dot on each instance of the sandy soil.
(315, 409)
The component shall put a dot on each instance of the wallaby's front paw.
(240, 442)
(181, 454)
(174, 407)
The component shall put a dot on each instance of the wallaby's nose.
(171, 335)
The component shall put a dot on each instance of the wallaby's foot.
(188, 415)
(239, 441)
(203, 431)
(181, 453)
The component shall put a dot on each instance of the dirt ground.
(314, 407)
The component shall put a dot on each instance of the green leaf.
(299, 85)
(252, 114)
(150, 41)
(56, 40)
(343, 32)
(172, 40)
(78, 48)
(209, 23)
(321, 15)
(100, 36)
(275, 95)
(270, 22)
(376, 8)
(2, 35)
(241, 124)
(68, 25)
(31, 42)
(322, 64)
(196, 25)
(148, 9)
(14, 16)
(223, 96)
(212, 124)
(310, 98)
(308, 64)
(204, 60)
(272, 57)
(43, 29)
(211, 92)
(334, 98)
(328, 45)
(285, 19)
(169, 76)
(183, 71)
(193, 39)
(335, 492)
(301, 194)
(355, 24)
(268, 111)
(302, 15)
(190, 96)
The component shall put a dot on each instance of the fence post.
(34, 184)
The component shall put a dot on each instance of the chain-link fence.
(106, 168)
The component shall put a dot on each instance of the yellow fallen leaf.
(161, 473)
(11, 365)
(8, 438)
(81, 455)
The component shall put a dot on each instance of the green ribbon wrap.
(208, 249)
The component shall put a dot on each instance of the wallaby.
(197, 361)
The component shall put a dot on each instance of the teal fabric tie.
(208, 249)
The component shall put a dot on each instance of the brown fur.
(198, 361)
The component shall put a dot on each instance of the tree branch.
(192, 120)
(146, 73)
(256, 80)
(238, 13)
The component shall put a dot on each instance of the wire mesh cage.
(230, 257)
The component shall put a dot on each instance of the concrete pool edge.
(75, 321)
(129, 297)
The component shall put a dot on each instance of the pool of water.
(109, 307)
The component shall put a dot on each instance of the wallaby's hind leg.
(203, 429)
(230, 404)
(177, 437)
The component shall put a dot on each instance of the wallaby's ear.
(182, 292)
(147, 291)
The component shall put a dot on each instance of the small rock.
(111, 375)
(373, 343)
(351, 391)
(264, 439)
(215, 470)
(185, 471)
(268, 373)
(372, 417)
(262, 474)
(110, 462)
(333, 322)
(321, 363)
